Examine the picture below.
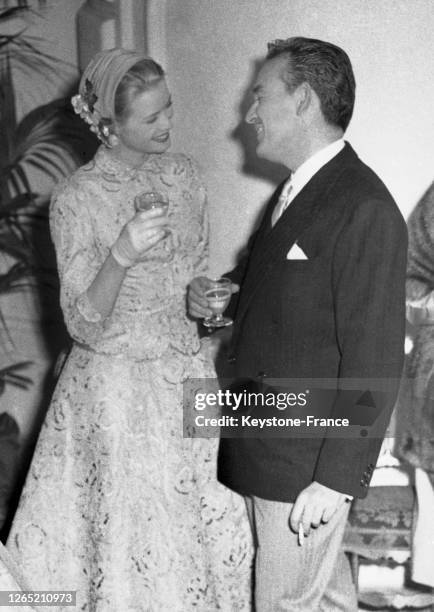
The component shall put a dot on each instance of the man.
(321, 296)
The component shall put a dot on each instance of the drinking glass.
(148, 200)
(218, 295)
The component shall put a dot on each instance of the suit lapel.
(300, 214)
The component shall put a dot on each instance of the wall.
(211, 49)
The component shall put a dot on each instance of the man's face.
(273, 114)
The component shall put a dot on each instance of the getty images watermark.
(289, 408)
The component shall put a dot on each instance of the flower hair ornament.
(95, 100)
(84, 105)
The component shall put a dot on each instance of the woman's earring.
(112, 141)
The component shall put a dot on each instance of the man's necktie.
(282, 204)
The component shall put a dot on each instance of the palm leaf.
(23, 48)
(26, 54)
(51, 167)
(50, 138)
(12, 8)
(12, 279)
(8, 121)
(17, 176)
(37, 142)
(15, 367)
(15, 204)
(15, 246)
(11, 13)
(11, 375)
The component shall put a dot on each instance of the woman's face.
(147, 128)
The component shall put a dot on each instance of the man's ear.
(304, 98)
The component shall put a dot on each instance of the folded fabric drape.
(11, 578)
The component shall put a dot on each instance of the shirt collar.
(306, 171)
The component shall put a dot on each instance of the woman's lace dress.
(118, 505)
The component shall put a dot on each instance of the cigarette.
(300, 534)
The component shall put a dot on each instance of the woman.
(117, 504)
(415, 406)
(415, 413)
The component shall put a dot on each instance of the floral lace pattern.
(118, 505)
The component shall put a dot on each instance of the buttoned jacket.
(338, 315)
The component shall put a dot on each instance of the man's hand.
(316, 504)
(196, 300)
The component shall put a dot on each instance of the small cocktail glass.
(218, 296)
(148, 200)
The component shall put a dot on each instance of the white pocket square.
(295, 252)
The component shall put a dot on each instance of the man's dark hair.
(326, 68)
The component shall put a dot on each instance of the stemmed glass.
(148, 200)
(218, 296)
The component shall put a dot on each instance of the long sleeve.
(78, 260)
(369, 287)
(420, 272)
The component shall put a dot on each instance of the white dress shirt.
(303, 174)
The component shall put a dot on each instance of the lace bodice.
(87, 214)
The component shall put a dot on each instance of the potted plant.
(50, 140)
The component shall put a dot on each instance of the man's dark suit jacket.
(339, 314)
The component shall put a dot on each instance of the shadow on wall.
(246, 137)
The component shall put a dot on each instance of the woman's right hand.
(139, 235)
